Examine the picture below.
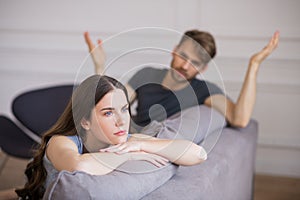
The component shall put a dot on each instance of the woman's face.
(109, 121)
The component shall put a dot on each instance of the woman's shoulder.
(67, 141)
(62, 138)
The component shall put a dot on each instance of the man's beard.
(177, 77)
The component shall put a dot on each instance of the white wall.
(41, 43)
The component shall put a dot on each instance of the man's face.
(186, 63)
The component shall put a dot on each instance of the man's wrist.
(253, 69)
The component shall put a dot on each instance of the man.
(168, 88)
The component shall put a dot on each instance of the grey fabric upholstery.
(194, 124)
(133, 180)
(227, 174)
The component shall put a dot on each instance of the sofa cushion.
(132, 180)
(194, 124)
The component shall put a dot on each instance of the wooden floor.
(276, 188)
(266, 187)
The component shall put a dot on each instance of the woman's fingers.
(156, 160)
(128, 147)
(163, 159)
(156, 163)
(113, 148)
(123, 148)
(119, 148)
(159, 162)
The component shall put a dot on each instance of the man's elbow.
(239, 122)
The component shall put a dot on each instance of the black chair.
(14, 141)
(37, 110)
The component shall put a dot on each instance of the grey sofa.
(226, 174)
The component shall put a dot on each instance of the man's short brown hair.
(205, 42)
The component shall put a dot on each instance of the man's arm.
(238, 114)
(131, 93)
(98, 57)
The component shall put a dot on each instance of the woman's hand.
(156, 160)
(130, 146)
(257, 58)
(134, 149)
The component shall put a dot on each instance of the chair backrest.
(14, 141)
(39, 109)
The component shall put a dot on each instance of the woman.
(92, 136)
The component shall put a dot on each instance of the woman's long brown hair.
(83, 100)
